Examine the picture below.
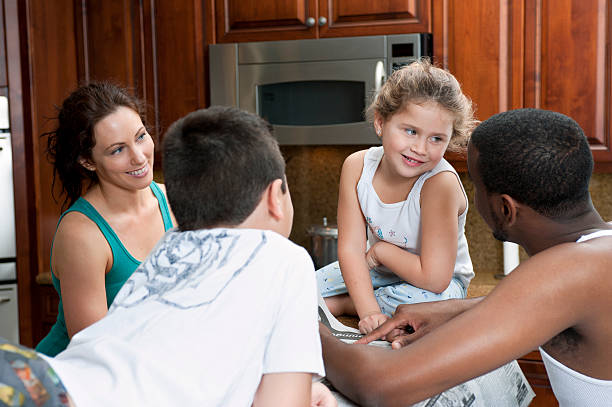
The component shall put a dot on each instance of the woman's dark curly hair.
(73, 139)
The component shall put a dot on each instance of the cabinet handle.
(322, 21)
(310, 22)
(3, 300)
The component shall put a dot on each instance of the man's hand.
(320, 396)
(413, 321)
(370, 322)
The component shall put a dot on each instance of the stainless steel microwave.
(314, 92)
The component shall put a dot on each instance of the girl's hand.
(370, 322)
(371, 259)
(413, 321)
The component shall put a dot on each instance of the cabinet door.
(265, 20)
(3, 77)
(568, 66)
(481, 43)
(366, 17)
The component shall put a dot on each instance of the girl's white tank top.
(400, 223)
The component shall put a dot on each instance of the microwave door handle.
(379, 75)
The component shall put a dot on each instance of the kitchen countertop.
(481, 284)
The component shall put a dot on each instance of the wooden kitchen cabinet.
(154, 48)
(547, 54)
(268, 20)
(3, 75)
(568, 66)
(533, 368)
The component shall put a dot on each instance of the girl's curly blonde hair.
(422, 82)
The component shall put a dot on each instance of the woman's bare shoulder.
(78, 237)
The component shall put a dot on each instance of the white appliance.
(9, 313)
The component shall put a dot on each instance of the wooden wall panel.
(179, 43)
(3, 75)
(53, 73)
(481, 43)
(49, 68)
(569, 66)
(110, 34)
(154, 47)
(25, 231)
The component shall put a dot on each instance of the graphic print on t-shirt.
(178, 275)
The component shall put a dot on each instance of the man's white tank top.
(400, 223)
(571, 388)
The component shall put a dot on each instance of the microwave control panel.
(402, 50)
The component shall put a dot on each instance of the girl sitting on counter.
(405, 200)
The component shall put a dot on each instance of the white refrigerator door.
(9, 315)
(7, 205)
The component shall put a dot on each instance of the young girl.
(407, 199)
(103, 156)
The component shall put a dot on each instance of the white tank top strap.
(599, 233)
(574, 389)
(371, 159)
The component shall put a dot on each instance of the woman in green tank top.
(101, 147)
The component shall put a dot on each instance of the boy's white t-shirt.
(198, 323)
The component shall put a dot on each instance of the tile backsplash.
(313, 173)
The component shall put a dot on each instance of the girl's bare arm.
(442, 201)
(352, 239)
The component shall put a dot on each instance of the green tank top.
(124, 265)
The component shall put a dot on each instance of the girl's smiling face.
(123, 153)
(415, 138)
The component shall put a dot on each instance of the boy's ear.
(509, 209)
(275, 199)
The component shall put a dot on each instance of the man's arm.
(542, 297)
(413, 321)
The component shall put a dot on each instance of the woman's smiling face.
(123, 153)
(415, 138)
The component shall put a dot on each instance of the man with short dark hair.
(531, 171)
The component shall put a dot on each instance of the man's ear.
(87, 164)
(275, 198)
(508, 209)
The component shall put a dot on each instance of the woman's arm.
(81, 257)
(352, 239)
(442, 201)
